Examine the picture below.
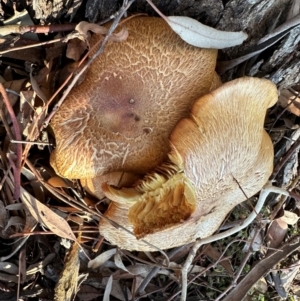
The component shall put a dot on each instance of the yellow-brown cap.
(120, 117)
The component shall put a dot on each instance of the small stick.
(30, 142)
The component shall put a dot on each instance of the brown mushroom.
(120, 117)
(219, 154)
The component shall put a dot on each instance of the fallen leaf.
(200, 35)
(108, 289)
(101, 259)
(44, 215)
(119, 263)
(9, 268)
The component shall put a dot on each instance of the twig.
(240, 270)
(262, 268)
(155, 270)
(267, 189)
(30, 142)
(31, 45)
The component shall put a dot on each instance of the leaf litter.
(112, 273)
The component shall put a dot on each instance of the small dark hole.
(146, 131)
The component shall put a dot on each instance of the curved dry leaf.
(108, 289)
(46, 216)
(15, 206)
(200, 35)
(9, 268)
(140, 269)
(101, 259)
(119, 263)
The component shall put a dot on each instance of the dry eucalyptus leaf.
(36, 88)
(200, 35)
(288, 275)
(108, 289)
(9, 268)
(139, 269)
(46, 216)
(119, 263)
(261, 286)
(101, 259)
(15, 206)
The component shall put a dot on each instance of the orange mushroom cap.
(219, 154)
(120, 117)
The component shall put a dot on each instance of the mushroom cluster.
(136, 113)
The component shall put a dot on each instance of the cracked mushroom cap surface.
(219, 154)
(120, 117)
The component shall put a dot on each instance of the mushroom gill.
(120, 117)
(218, 155)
